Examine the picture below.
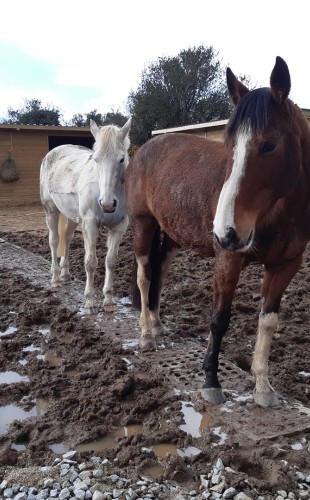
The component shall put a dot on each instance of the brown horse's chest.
(276, 246)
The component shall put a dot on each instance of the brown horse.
(244, 200)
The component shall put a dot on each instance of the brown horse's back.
(176, 178)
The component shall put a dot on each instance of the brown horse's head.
(263, 158)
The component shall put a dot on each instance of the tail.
(155, 264)
(62, 223)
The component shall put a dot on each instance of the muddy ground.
(68, 381)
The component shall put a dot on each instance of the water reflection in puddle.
(58, 448)
(195, 422)
(44, 331)
(18, 447)
(130, 343)
(23, 362)
(9, 331)
(110, 441)
(163, 449)
(9, 413)
(42, 405)
(222, 435)
(153, 471)
(51, 359)
(31, 348)
(12, 412)
(12, 378)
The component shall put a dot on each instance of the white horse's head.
(110, 152)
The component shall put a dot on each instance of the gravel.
(66, 478)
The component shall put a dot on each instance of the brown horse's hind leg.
(275, 282)
(227, 271)
(160, 268)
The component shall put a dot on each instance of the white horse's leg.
(90, 233)
(52, 216)
(64, 261)
(114, 238)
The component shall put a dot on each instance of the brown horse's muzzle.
(231, 241)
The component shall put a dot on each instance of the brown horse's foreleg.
(147, 340)
(227, 270)
(274, 284)
(144, 234)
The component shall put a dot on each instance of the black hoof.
(214, 395)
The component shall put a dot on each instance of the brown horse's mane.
(252, 112)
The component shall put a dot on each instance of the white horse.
(87, 186)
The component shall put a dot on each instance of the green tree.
(78, 120)
(110, 118)
(33, 113)
(114, 118)
(185, 89)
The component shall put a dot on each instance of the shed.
(28, 145)
(210, 130)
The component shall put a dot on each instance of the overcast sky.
(81, 56)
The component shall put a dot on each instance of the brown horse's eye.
(267, 147)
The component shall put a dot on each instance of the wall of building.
(29, 145)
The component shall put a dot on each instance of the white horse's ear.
(94, 128)
(126, 128)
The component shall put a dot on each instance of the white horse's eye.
(122, 160)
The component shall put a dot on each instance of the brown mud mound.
(68, 381)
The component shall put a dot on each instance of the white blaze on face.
(224, 216)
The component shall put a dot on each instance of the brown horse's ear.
(280, 80)
(236, 89)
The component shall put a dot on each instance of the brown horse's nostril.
(230, 241)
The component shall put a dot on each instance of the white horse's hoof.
(65, 278)
(266, 399)
(90, 310)
(213, 395)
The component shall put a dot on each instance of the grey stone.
(229, 493)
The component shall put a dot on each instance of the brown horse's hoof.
(147, 343)
(214, 395)
(266, 399)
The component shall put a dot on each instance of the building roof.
(44, 128)
(197, 126)
(207, 125)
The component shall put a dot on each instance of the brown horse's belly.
(188, 232)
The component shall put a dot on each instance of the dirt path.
(82, 383)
